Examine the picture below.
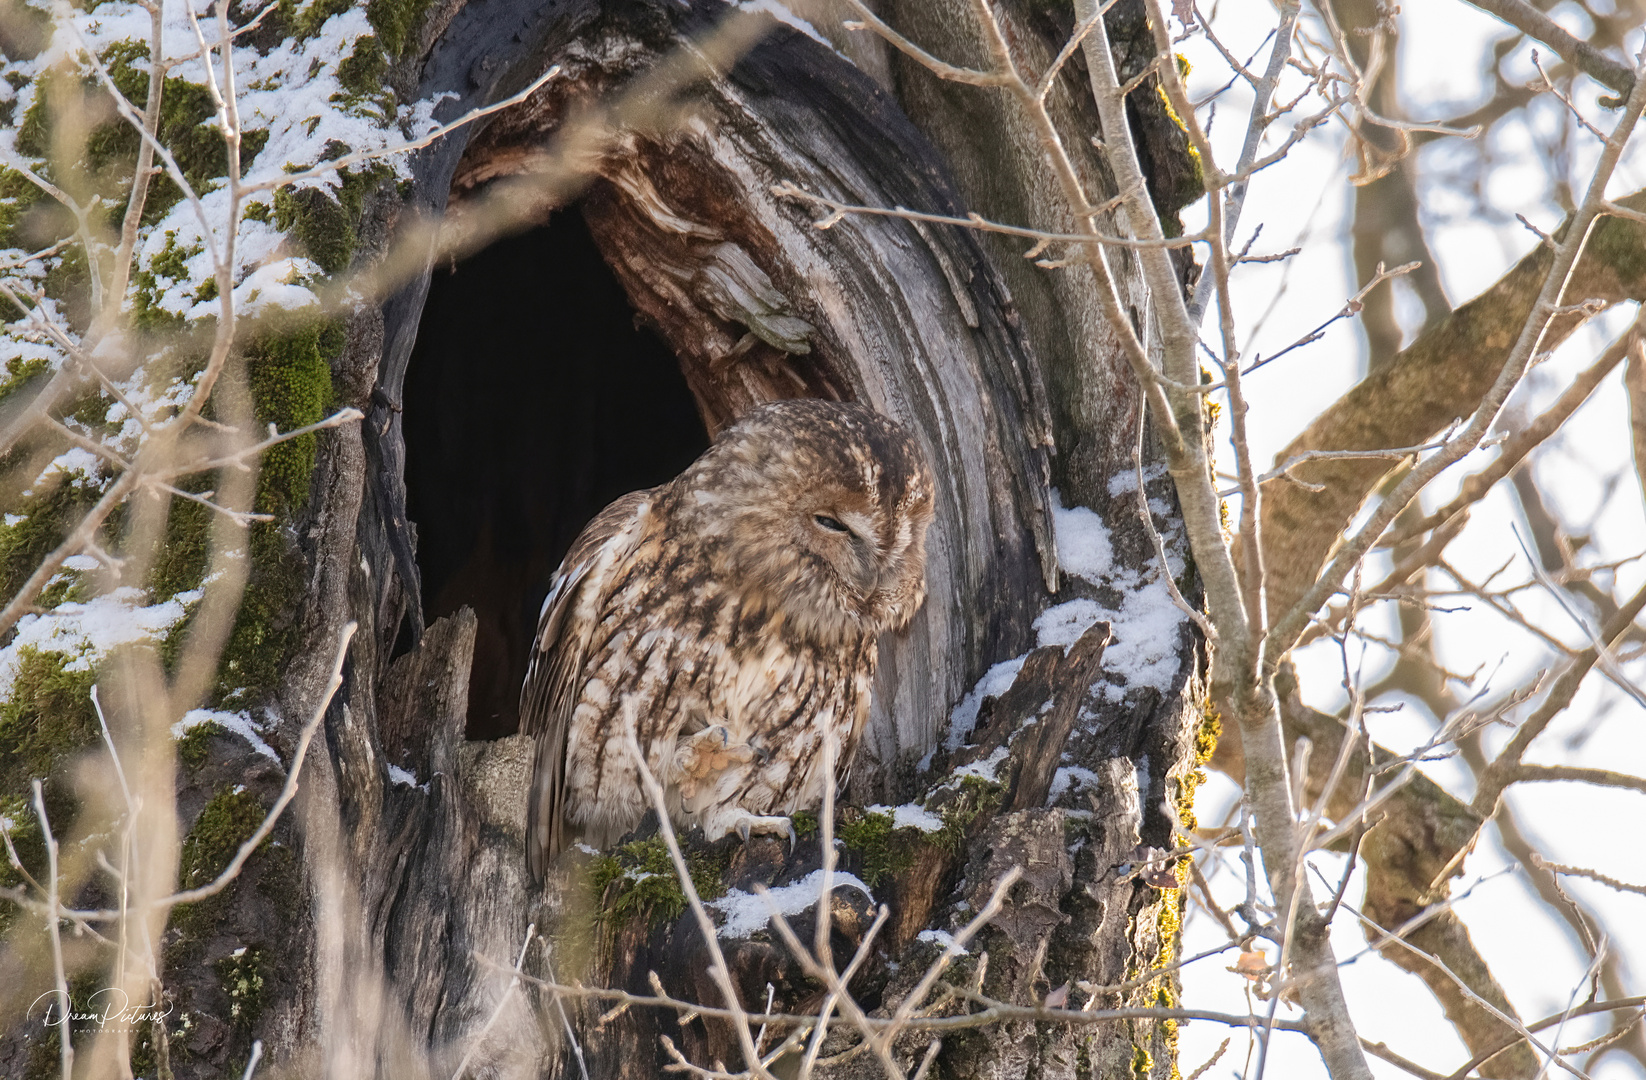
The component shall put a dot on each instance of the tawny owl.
(738, 610)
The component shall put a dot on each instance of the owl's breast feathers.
(635, 613)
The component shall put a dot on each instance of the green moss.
(34, 134)
(226, 822)
(1142, 1063)
(265, 630)
(805, 823)
(48, 716)
(91, 411)
(17, 195)
(66, 587)
(362, 71)
(325, 226)
(41, 522)
(397, 22)
(638, 880)
(241, 977)
(195, 745)
(604, 870)
(875, 848)
(25, 837)
(47, 720)
(172, 261)
(256, 211)
(147, 314)
(363, 76)
(288, 367)
(186, 128)
(20, 373)
(974, 798)
(68, 281)
(309, 22)
(281, 880)
(180, 562)
(319, 223)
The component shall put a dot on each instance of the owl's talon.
(746, 825)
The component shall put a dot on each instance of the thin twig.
(719, 971)
(502, 1003)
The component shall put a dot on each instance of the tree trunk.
(411, 833)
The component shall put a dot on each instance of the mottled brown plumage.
(738, 609)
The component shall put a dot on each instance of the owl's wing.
(554, 679)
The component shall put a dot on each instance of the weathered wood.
(1036, 765)
(911, 319)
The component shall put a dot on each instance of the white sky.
(1586, 472)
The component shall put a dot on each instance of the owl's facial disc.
(815, 512)
(842, 537)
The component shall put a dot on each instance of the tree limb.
(1579, 53)
(1439, 377)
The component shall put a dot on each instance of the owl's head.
(816, 511)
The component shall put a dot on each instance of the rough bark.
(1003, 172)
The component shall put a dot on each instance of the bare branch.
(53, 908)
(839, 210)
(1580, 54)
(1592, 875)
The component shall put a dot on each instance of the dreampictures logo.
(109, 1009)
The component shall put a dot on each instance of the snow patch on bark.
(910, 816)
(996, 681)
(238, 723)
(748, 912)
(86, 633)
(1146, 624)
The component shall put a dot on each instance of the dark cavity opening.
(531, 401)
